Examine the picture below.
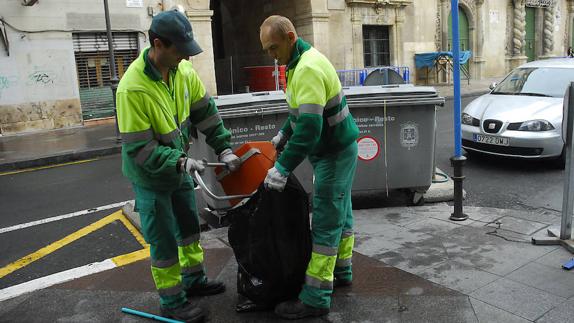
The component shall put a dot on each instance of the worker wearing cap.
(321, 128)
(159, 99)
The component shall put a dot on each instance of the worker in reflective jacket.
(159, 99)
(321, 128)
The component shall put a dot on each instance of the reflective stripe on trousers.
(319, 272)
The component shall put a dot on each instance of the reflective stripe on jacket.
(155, 121)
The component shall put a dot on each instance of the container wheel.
(417, 198)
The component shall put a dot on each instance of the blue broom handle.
(149, 316)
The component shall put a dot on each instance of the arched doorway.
(464, 37)
(463, 30)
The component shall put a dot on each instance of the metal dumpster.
(397, 137)
(396, 142)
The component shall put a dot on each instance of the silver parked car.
(521, 116)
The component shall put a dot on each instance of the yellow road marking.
(46, 167)
(131, 257)
(119, 260)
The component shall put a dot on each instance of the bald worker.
(321, 128)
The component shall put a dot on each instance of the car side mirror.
(492, 85)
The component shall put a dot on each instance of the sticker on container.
(409, 135)
(369, 148)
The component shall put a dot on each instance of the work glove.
(279, 140)
(275, 180)
(189, 165)
(232, 162)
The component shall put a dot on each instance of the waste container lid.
(392, 95)
(273, 102)
(389, 90)
(247, 99)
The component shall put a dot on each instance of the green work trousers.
(332, 225)
(170, 224)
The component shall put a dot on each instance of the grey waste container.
(396, 142)
(254, 116)
(397, 137)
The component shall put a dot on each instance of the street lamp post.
(457, 161)
(112, 64)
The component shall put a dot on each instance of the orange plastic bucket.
(258, 157)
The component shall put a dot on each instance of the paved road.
(40, 194)
(34, 195)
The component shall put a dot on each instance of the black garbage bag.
(271, 239)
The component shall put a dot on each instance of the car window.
(536, 81)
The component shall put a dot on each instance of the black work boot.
(185, 312)
(208, 287)
(294, 310)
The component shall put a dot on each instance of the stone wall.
(495, 37)
(38, 78)
(422, 25)
(38, 84)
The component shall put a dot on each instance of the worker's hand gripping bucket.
(256, 159)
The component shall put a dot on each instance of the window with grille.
(92, 66)
(376, 46)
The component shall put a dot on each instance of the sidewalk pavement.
(411, 264)
(43, 148)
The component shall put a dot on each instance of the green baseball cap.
(175, 27)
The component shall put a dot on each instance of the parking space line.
(74, 273)
(78, 272)
(47, 167)
(26, 260)
(131, 257)
(62, 217)
(54, 279)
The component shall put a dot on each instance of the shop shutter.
(92, 66)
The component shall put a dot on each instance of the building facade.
(54, 65)
(54, 69)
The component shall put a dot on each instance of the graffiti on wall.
(42, 77)
(34, 83)
(7, 82)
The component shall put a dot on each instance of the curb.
(134, 217)
(60, 158)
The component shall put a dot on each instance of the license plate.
(491, 140)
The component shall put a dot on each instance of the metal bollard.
(458, 163)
